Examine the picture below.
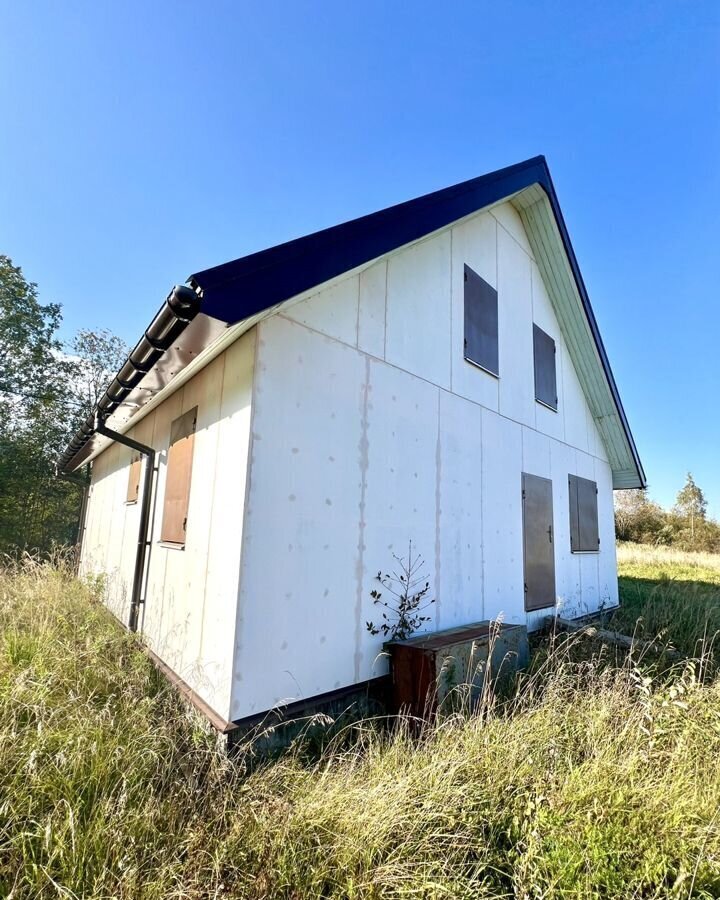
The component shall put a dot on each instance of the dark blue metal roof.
(241, 288)
(238, 289)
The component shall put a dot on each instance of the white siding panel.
(517, 393)
(549, 421)
(334, 311)
(474, 243)
(576, 430)
(536, 453)
(400, 502)
(226, 525)
(118, 581)
(418, 310)
(186, 570)
(297, 622)
(589, 562)
(567, 564)
(460, 594)
(502, 518)
(131, 512)
(596, 445)
(371, 315)
(507, 216)
(607, 560)
(158, 613)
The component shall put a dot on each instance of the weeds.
(595, 780)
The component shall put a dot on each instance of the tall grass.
(594, 781)
(654, 557)
(671, 594)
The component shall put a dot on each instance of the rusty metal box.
(429, 670)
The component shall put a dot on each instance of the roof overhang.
(220, 303)
(553, 252)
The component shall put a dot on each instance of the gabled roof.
(240, 290)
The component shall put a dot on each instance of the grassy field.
(598, 779)
(670, 594)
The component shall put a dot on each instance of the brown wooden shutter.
(584, 529)
(574, 525)
(481, 322)
(177, 483)
(545, 374)
(133, 488)
(588, 515)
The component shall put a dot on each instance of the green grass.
(670, 594)
(594, 781)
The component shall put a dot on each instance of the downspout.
(145, 506)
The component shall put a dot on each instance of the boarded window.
(545, 376)
(133, 488)
(177, 483)
(584, 534)
(481, 322)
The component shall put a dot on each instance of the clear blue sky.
(143, 141)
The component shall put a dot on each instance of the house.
(431, 372)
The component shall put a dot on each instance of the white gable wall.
(370, 429)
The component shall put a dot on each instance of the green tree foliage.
(691, 504)
(28, 346)
(639, 519)
(97, 356)
(45, 391)
(687, 526)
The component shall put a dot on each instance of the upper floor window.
(177, 482)
(545, 375)
(481, 323)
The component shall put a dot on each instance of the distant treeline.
(685, 526)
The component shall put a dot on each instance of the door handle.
(550, 533)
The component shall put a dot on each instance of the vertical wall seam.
(385, 308)
(237, 644)
(166, 553)
(357, 317)
(438, 513)
(532, 322)
(452, 336)
(125, 509)
(497, 288)
(563, 347)
(482, 521)
(212, 504)
(364, 454)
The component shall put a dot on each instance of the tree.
(691, 504)
(44, 393)
(29, 347)
(639, 519)
(97, 356)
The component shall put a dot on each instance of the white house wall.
(191, 598)
(370, 429)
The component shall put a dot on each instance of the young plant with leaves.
(408, 589)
